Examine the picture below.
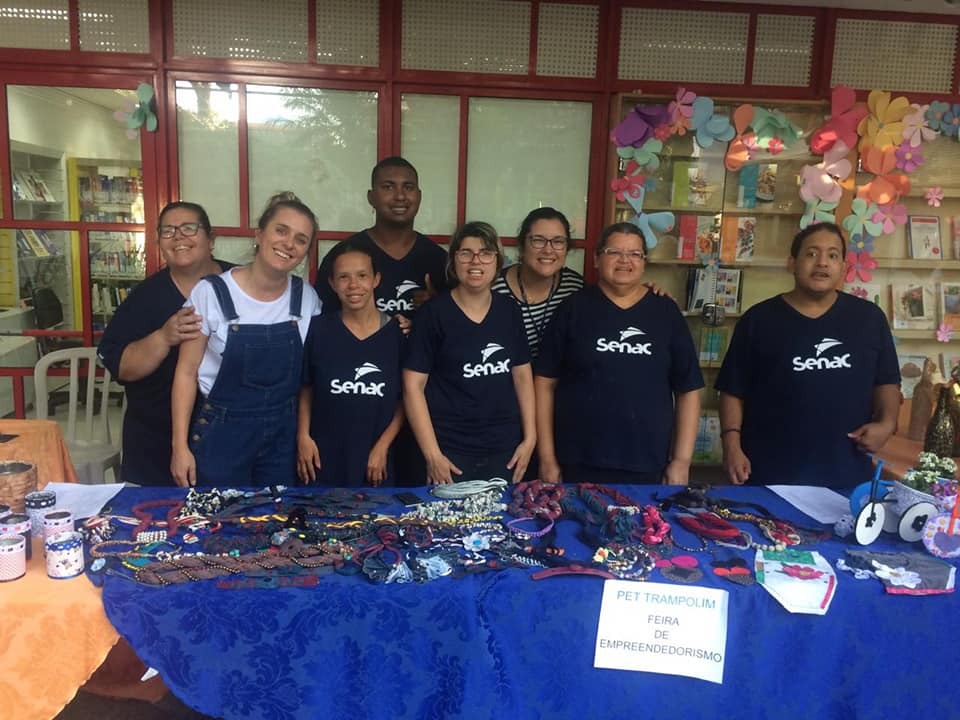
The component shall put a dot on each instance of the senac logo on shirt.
(485, 367)
(622, 346)
(401, 304)
(820, 361)
(355, 386)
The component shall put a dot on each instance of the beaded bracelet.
(522, 533)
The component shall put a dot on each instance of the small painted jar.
(13, 557)
(64, 555)
(18, 524)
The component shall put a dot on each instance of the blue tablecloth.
(499, 645)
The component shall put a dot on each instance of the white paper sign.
(655, 627)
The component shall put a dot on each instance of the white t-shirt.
(252, 312)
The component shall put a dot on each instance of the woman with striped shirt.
(540, 281)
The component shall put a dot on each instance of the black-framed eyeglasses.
(538, 242)
(632, 255)
(465, 256)
(186, 229)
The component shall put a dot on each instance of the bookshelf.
(109, 191)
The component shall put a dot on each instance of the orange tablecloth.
(53, 635)
(39, 442)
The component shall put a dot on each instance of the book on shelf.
(713, 285)
(32, 242)
(707, 448)
(950, 304)
(914, 307)
(767, 182)
(872, 292)
(923, 235)
(696, 234)
(948, 364)
(713, 343)
(31, 186)
(911, 370)
(737, 239)
(691, 186)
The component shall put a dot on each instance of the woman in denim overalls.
(247, 362)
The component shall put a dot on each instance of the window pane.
(430, 139)
(44, 278)
(117, 264)
(321, 144)
(207, 140)
(525, 154)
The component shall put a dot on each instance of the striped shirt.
(536, 316)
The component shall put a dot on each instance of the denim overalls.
(245, 431)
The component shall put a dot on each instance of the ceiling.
(940, 7)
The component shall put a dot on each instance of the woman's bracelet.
(729, 430)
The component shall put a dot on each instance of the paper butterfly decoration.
(639, 124)
(738, 152)
(773, 130)
(648, 222)
(709, 128)
(140, 114)
(842, 125)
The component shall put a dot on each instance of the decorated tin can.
(64, 555)
(13, 557)
(38, 504)
(58, 521)
(18, 524)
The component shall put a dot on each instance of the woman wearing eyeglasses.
(468, 386)
(540, 281)
(141, 343)
(618, 378)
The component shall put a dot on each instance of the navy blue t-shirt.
(472, 400)
(617, 372)
(147, 428)
(805, 383)
(356, 388)
(399, 279)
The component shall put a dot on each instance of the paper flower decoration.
(710, 128)
(682, 105)
(738, 152)
(650, 222)
(887, 186)
(638, 126)
(845, 115)
(662, 132)
(773, 128)
(950, 124)
(934, 196)
(934, 115)
(861, 243)
(890, 216)
(883, 125)
(822, 181)
(818, 211)
(916, 127)
(141, 114)
(859, 220)
(944, 333)
(630, 184)
(860, 266)
(646, 156)
(909, 158)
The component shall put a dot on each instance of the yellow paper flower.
(883, 126)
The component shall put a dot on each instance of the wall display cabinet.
(109, 191)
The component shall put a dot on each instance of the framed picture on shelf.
(923, 234)
(911, 370)
(872, 292)
(914, 307)
(950, 304)
(948, 364)
(767, 182)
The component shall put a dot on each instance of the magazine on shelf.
(923, 233)
(696, 233)
(713, 343)
(738, 239)
(954, 238)
(911, 370)
(713, 285)
(691, 187)
(33, 242)
(950, 304)
(914, 307)
(767, 182)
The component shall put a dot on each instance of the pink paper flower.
(916, 128)
(682, 105)
(944, 333)
(662, 132)
(890, 216)
(909, 158)
(860, 267)
(934, 196)
(775, 146)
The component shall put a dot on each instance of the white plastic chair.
(91, 447)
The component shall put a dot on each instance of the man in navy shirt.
(810, 383)
(411, 265)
